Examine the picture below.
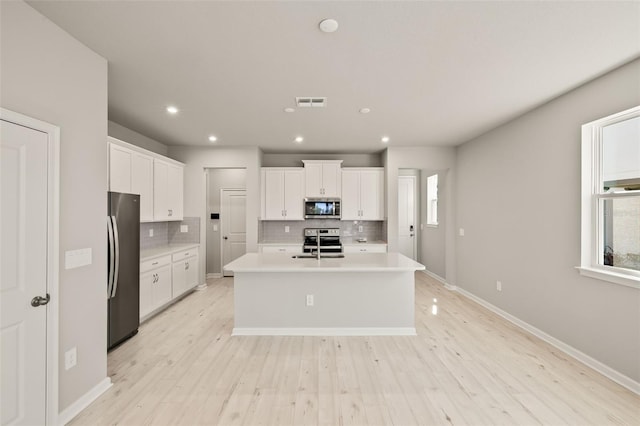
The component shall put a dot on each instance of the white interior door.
(233, 222)
(23, 273)
(407, 216)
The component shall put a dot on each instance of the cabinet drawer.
(185, 254)
(157, 262)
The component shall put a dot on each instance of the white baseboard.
(214, 275)
(83, 402)
(200, 287)
(439, 278)
(336, 331)
(601, 368)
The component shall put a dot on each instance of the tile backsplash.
(274, 231)
(165, 233)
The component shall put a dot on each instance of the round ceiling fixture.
(299, 139)
(172, 109)
(385, 139)
(289, 109)
(328, 25)
(212, 138)
(365, 110)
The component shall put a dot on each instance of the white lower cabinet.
(365, 248)
(284, 248)
(155, 284)
(185, 271)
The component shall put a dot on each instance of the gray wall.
(127, 135)
(48, 75)
(518, 200)
(432, 158)
(295, 160)
(218, 179)
(198, 159)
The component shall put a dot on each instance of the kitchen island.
(358, 294)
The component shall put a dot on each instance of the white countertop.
(165, 250)
(360, 262)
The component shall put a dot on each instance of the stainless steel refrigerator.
(123, 259)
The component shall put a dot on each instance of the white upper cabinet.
(282, 193)
(168, 191)
(157, 179)
(363, 193)
(322, 178)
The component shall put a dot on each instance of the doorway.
(407, 214)
(218, 179)
(29, 285)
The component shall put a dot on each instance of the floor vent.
(314, 101)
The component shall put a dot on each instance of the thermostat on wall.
(215, 215)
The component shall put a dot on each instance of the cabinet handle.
(154, 263)
(186, 265)
(170, 212)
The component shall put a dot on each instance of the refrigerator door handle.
(111, 265)
(116, 244)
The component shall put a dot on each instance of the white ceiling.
(433, 73)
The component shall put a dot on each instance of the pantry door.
(407, 216)
(27, 281)
(233, 221)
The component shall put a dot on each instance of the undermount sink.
(313, 256)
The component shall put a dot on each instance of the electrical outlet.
(499, 285)
(151, 232)
(70, 358)
(461, 232)
(360, 228)
(184, 228)
(309, 299)
(215, 227)
(286, 229)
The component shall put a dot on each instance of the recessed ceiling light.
(289, 110)
(385, 139)
(328, 25)
(172, 110)
(299, 139)
(365, 110)
(212, 138)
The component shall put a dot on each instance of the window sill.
(612, 277)
(432, 225)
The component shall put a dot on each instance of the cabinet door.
(331, 180)
(120, 163)
(160, 196)
(175, 191)
(192, 272)
(313, 180)
(142, 183)
(147, 281)
(371, 194)
(350, 195)
(162, 288)
(294, 194)
(179, 275)
(273, 194)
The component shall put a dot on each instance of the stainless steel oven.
(327, 240)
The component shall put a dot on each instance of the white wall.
(518, 199)
(48, 75)
(195, 185)
(424, 159)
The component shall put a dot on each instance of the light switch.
(215, 227)
(461, 232)
(151, 232)
(77, 258)
(184, 228)
(286, 229)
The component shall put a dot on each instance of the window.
(611, 198)
(432, 200)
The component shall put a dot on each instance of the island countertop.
(361, 262)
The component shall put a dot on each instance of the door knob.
(226, 238)
(39, 300)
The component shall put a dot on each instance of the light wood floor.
(466, 366)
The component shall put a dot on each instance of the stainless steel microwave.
(322, 208)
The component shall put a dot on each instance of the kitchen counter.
(364, 294)
(284, 262)
(147, 254)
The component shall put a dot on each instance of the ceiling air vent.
(314, 101)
